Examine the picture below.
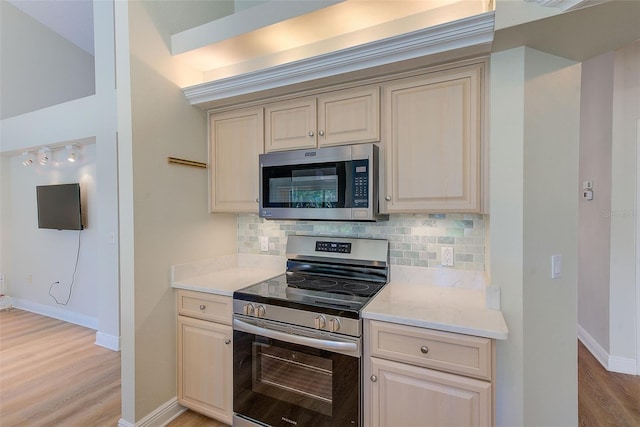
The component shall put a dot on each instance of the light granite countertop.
(226, 274)
(446, 300)
(457, 310)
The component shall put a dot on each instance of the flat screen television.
(59, 207)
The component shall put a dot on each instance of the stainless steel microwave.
(333, 183)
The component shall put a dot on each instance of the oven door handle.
(239, 325)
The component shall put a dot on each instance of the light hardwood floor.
(52, 374)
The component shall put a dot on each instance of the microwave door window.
(310, 187)
(314, 191)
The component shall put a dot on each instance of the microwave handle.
(239, 325)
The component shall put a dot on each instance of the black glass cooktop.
(310, 290)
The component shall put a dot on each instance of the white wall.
(594, 221)
(534, 170)
(39, 67)
(626, 111)
(163, 207)
(91, 118)
(39, 257)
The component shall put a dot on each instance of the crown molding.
(472, 32)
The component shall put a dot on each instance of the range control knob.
(260, 311)
(320, 322)
(248, 309)
(334, 324)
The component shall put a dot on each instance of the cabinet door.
(411, 396)
(205, 366)
(236, 140)
(349, 117)
(433, 143)
(290, 125)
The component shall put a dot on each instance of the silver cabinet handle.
(321, 132)
(257, 200)
(424, 349)
(374, 378)
(311, 133)
(388, 198)
(227, 341)
(202, 307)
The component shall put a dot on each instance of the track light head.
(72, 153)
(44, 158)
(28, 160)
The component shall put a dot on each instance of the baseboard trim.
(621, 365)
(107, 341)
(110, 342)
(57, 313)
(160, 417)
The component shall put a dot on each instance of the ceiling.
(73, 19)
(226, 22)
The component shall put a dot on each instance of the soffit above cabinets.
(344, 37)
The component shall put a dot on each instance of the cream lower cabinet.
(433, 142)
(334, 118)
(422, 378)
(236, 140)
(205, 354)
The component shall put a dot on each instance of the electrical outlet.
(264, 243)
(446, 255)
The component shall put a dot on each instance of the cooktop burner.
(332, 285)
(333, 276)
(303, 291)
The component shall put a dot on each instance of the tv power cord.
(73, 279)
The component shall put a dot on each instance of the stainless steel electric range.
(297, 337)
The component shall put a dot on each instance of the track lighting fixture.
(27, 159)
(72, 153)
(44, 158)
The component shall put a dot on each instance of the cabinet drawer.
(461, 354)
(205, 306)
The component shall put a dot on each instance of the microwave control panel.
(360, 183)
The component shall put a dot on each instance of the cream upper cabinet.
(334, 118)
(290, 125)
(205, 354)
(434, 144)
(421, 377)
(349, 117)
(236, 140)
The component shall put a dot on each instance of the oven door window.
(293, 376)
(319, 185)
(281, 384)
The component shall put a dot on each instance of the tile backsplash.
(413, 239)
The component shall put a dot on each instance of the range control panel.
(337, 247)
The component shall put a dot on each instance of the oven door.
(282, 383)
